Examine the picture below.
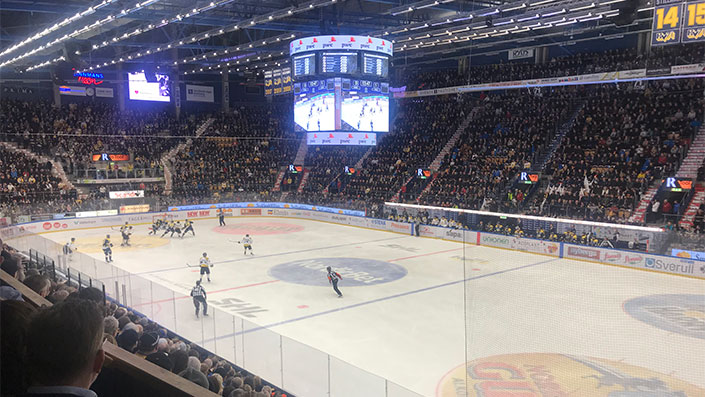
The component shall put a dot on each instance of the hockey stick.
(187, 264)
(233, 241)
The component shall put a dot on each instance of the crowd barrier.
(227, 332)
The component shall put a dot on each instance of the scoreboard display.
(375, 65)
(304, 65)
(676, 21)
(341, 89)
(338, 62)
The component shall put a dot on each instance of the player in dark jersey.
(221, 217)
(156, 225)
(107, 249)
(126, 233)
(188, 227)
(333, 278)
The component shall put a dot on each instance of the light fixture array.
(419, 5)
(79, 32)
(246, 64)
(516, 24)
(243, 24)
(90, 10)
(240, 47)
(156, 25)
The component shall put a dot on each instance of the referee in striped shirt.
(199, 297)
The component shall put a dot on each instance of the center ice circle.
(354, 271)
(258, 228)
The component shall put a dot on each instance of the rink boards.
(634, 260)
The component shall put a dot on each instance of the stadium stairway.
(546, 155)
(57, 169)
(694, 158)
(436, 163)
(304, 180)
(280, 177)
(639, 213)
(698, 198)
(169, 155)
(301, 153)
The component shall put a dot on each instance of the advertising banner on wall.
(199, 93)
(520, 53)
(125, 194)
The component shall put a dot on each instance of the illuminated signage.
(349, 170)
(89, 78)
(677, 184)
(295, 169)
(528, 178)
(341, 42)
(111, 157)
(423, 174)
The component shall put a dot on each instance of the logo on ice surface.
(355, 271)
(547, 374)
(682, 314)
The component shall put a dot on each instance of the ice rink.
(416, 310)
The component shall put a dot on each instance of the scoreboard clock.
(676, 21)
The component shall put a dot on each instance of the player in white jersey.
(247, 243)
(205, 265)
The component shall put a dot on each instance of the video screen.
(143, 90)
(304, 65)
(315, 111)
(365, 111)
(338, 62)
(376, 65)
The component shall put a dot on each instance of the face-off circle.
(682, 314)
(354, 271)
(548, 374)
(259, 228)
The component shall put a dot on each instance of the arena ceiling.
(211, 36)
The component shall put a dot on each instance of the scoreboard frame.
(678, 21)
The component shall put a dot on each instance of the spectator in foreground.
(64, 353)
(14, 322)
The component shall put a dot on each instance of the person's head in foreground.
(64, 351)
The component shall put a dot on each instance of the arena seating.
(221, 164)
(574, 64)
(145, 359)
(504, 139)
(623, 139)
(420, 132)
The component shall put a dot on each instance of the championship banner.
(286, 81)
(678, 22)
(268, 83)
(126, 194)
(277, 81)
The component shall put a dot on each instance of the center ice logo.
(355, 271)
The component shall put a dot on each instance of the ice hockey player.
(333, 278)
(107, 249)
(156, 225)
(69, 248)
(205, 265)
(188, 227)
(199, 297)
(124, 227)
(126, 233)
(247, 243)
(221, 217)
